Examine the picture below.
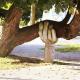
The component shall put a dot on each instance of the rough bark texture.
(9, 31)
(12, 35)
(27, 34)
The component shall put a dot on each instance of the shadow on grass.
(66, 63)
(24, 59)
(15, 62)
(60, 63)
(19, 60)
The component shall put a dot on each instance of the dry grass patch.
(14, 62)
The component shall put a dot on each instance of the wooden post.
(48, 52)
(48, 36)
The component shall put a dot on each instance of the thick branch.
(9, 31)
(67, 31)
(27, 34)
(31, 32)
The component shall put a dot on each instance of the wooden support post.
(48, 36)
(48, 52)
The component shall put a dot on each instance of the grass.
(69, 48)
(14, 62)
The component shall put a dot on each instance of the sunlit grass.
(13, 62)
(66, 47)
(69, 48)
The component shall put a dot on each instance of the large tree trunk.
(9, 31)
(12, 36)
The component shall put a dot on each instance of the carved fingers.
(47, 33)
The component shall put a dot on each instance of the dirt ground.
(46, 72)
(67, 66)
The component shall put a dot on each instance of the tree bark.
(9, 31)
(27, 34)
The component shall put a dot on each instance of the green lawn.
(69, 48)
(66, 47)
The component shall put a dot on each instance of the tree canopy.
(25, 5)
(60, 4)
(41, 5)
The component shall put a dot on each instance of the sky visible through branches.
(52, 15)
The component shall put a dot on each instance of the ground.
(65, 67)
(46, 72)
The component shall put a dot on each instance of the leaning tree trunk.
(9, 31)
(12, 36)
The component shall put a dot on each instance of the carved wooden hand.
(48, 36)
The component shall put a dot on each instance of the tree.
(13, 36)
(32, 14)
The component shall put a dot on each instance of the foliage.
(60, 5)
(25, 5)
(7, 6)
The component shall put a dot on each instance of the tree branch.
(31, 32)
(27, 34)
